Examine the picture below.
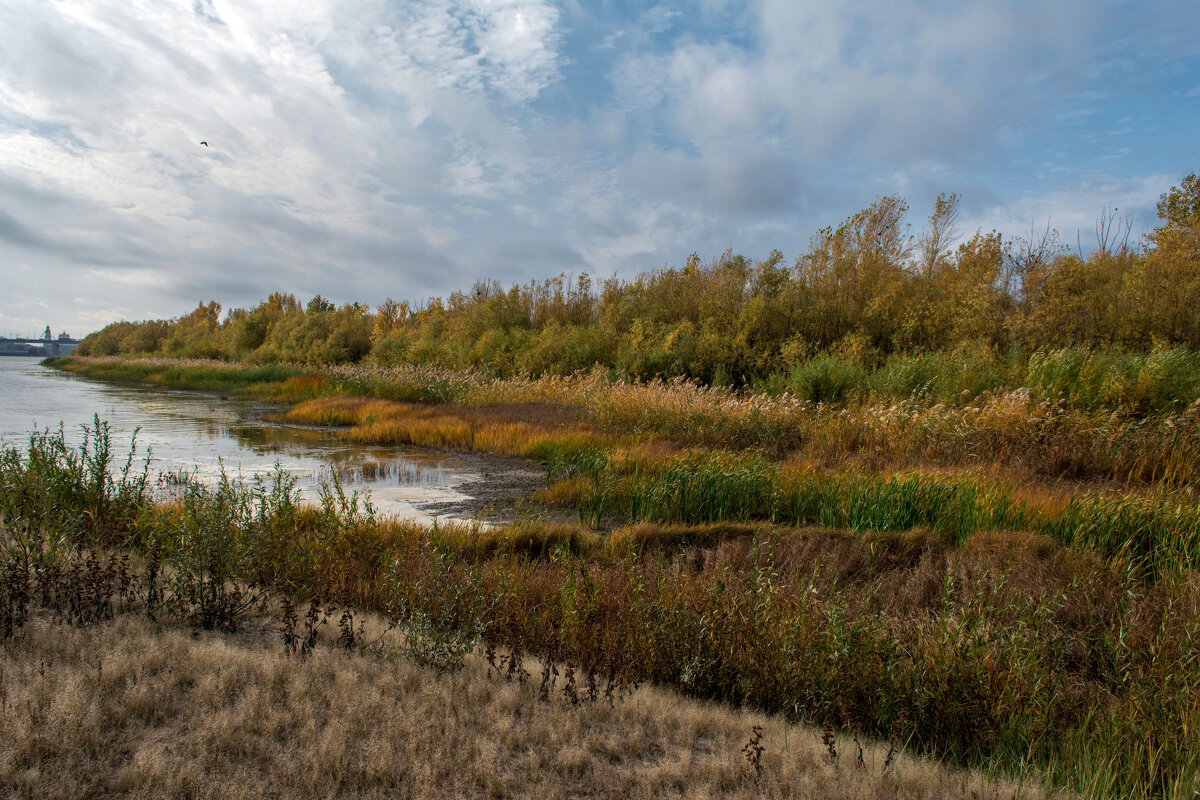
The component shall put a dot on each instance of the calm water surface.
(201, 433)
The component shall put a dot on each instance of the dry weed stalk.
(287, 626)
(829, 740)
(752, 751)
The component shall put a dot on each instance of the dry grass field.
(134, 708)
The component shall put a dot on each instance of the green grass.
(184, 376)
(1154, 535)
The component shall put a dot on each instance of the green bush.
(827, 379)
(1162, 380)
(951, 377)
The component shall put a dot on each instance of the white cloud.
(879, 79)
(659, 18)
(308, 163)
(372, 148)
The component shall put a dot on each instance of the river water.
(201, 434)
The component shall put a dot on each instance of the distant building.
(64, 344)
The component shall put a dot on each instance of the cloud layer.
(372, 149)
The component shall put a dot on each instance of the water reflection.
(204, 435)
(401, 473)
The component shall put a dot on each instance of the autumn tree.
(1171, 289)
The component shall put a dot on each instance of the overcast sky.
(363, 150)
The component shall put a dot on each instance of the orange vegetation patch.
(498, 431)
(303, 385)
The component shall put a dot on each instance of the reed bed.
(1025, 430)
(608, 478)
(394, 422)
(1011, 428)
(197, 374)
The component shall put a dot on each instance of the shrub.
(827, 379)
(1163, 380)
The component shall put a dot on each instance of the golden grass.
(140, 709)
(451, 428)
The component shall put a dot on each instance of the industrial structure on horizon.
(47, 345)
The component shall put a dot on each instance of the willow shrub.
(828, 379)
(952, 377)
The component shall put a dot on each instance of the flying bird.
(204, 143)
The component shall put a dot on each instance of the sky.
(407, 148)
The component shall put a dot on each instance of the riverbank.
(1005, 651)
(619, 453)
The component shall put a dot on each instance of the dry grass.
(491, 430)
(139, 709)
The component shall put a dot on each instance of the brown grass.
(492, 430)
(139, 709)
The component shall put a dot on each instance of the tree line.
(863, 291)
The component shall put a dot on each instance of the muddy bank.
(493, 489)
